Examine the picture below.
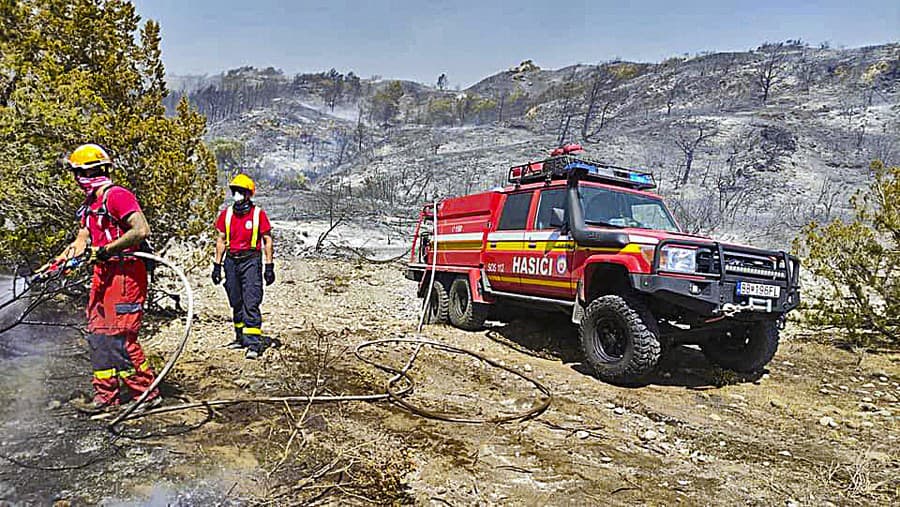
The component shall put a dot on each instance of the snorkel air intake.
(578, 230)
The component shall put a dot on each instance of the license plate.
(758, 289)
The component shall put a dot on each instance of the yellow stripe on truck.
(459, 245)
(547, 283)
(530, 281)
(523, 246)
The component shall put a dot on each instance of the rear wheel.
(465, 313)
(745, 348)
(619, 339)
(438, 304)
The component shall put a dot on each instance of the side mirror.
(557, 217)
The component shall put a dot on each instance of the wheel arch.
(605, 278)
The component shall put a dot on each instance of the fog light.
(695, 289)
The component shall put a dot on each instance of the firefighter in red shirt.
(113, 227)
(244, 238)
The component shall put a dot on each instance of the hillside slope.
(751, 144)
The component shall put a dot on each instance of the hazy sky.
(419, 39)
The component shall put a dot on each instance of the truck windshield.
(623, 209)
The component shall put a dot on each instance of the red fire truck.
(589, 239)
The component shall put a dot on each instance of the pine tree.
(78, 71)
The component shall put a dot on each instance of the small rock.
(790, 502)
(885, 413)
(868, 385)
(605, 459)
(868, 407)
(867, 424)
(777, 403)
(582, 434)
(785, 453)
(649, 435)
(680, 482)
(882, 379)
(527, 367)
(54, 404)
(609, 405)
(715, 417)
(828, 421)
(619, 410)
(843, 388)
(867, 399)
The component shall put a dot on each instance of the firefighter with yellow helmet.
(245, 238)
(112, 227)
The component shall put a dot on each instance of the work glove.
(217, 274)
(99, 254)
(269, 274)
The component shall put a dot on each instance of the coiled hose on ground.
(391, 393)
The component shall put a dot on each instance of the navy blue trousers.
(244, 285)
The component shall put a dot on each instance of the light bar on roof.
(560, 167)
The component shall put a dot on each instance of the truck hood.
(647, 236)
(650, 236)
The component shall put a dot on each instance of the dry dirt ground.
(819, 427)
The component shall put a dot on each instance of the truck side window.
(515, 212)
(555, 198)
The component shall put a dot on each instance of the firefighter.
(112, 228)
(244, 239)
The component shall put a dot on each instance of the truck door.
(505, 242)
(548, 267)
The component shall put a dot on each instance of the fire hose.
(397, 387)
(393, 392)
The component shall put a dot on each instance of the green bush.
(858, 261)
(80, 71)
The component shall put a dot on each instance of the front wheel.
(465, 313)
(619, 339)
(745, 348)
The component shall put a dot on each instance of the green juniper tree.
(859, 262)
(78, 71)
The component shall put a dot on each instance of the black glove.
(269, 274)
(100, 254)
(217, 274)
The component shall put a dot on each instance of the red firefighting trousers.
(115, 308)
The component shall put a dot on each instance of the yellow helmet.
(243, 181)
(88, 156)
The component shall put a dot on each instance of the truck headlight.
(678, 259)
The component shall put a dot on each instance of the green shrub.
(858, 262)
(80, 71)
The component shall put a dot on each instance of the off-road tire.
(746, 348)
(438, 305)
(465, 313)
(638, 342)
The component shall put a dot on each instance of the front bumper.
(714, 292)
(714, 297)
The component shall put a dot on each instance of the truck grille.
(740, 263)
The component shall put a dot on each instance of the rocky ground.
(819, 427)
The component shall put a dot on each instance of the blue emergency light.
(563, 166)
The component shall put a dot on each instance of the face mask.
(242, 206)
(238, 197)
(90, 184)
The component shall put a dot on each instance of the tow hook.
(728, 310)
(752, 305)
